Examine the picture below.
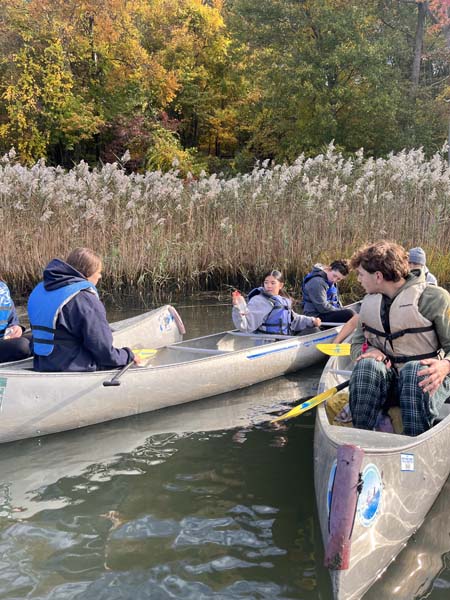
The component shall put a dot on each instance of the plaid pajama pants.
(371, 383)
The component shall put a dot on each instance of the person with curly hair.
(403, 331)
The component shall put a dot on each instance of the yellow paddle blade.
(144, 353)
(334, 349)
(304, 406)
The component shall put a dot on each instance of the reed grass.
(158, 232)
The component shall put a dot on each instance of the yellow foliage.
(76, 66)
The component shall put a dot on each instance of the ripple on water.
(177, 517)
(197, 531)
(224, 563)
(146, 527)
(156, 586)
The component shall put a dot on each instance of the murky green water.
(199, 501)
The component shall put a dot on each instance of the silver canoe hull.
(402, 476)
(412, 573)
(34, 404)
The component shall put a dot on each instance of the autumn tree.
(73, 67)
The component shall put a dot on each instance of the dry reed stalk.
(158, 232)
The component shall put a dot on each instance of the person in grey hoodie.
(269, 310)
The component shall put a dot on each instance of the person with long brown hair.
(269, 310)
(68, 320)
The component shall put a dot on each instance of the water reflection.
(30, 467)
(179, 515)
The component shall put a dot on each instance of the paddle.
(334, 349)
(143, 353)
(115, 380)
(304, 406)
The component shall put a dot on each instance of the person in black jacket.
(68, 320)
(13, 344)
(321, 294)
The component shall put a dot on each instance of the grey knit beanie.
(417, 256)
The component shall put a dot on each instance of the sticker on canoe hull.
(165, 322)
(3, 382)
(407, 462)
(369, 501)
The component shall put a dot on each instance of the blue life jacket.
(332, 291)
(43, 309)
(6, 306)
(280, 317)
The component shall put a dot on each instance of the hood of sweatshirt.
(58, 274)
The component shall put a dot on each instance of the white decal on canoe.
(407, 462)
(3, 382)
(330, 485)
(369, 500)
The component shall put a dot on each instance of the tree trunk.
(418, 46)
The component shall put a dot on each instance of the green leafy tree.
(329, 69)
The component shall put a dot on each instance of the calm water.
(201, 501)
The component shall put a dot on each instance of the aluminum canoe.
(373, 490)
(35, 404)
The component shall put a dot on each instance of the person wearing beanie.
(417, 259)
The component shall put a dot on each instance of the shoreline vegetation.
(162, 234)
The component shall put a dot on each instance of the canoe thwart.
(206, 351)
(344, 372)
(262, 336)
